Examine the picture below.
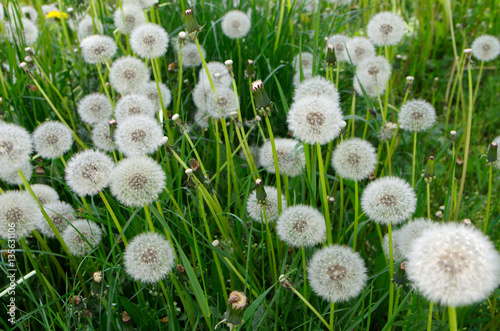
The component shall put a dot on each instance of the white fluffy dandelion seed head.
(307, 74)
(354, 159)
(28, 34)
(101, 137)
(290, 153)
(315, 119)
(486, 48)
(301, 226)
(97, 48)
(417, 115)
(128, 74)
(149, 257)
(15, 145)
(60, 213)
(138, 135)
(144, 4)
(314, 87)
(389, 200)
(359, 48)
(132, 105)
(150, 90)
(200, 95)
(127, 20)
(48, 8)
(254, 208)
(30, 13)
(45, 194)
(52, 139)
(236, 24)
(201, 118)
(88, 172)
(225, 103)
(86, 27)
(82, 237)
(336, 273)
(307, 61)
(20, 209)
(10, 175)
(190, 55)
(149, 41)
(454, 265)
(386, 28)
(339, 42)
(403, 238)
(223, 78)
(137, 180)
(94, 108)
(373, 74)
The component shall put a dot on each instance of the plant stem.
(356, 212)
(391, 271)
(488, 205)
(413, 159)
(452, 318)
(429, 319)
(324, 195)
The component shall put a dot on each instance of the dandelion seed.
(389, 200)
(236, 24)
(18, 211)
(486, 48)
(45, 194)
(149, 257)
(11, 176)
(129, 18)
(132, 105)
(359, 48)
(354, 159)
(454, 265)
(86, 26)
(136, 181)
(305, 59)
(372, 73)
(315, 119)
(28, 34)
(417, 115)
(225, 103)
(138, 135)
(128, 75)
(97, 48)
(219, 74)
(101, 137)
(386, 29)
(95, 108)
(150, 90)
(60, 213)
(254, 207)
(403, 238)
(88, 172)
(301, 226)
(15, 145)
(291, 158)
(339, 42)
(315, 87)
(52, 139)
(82, 237)
(336, 273)
(149, 41)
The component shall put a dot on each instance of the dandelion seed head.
(359, 48)
(88, 172)
(314, 87)
(82, 237)
(403, 238)
(190, 55)
(127, 20)
(132, 105)
(339, 42)
(15, 145)
(417, 115)
(45, 194)
(86, 26)
(254, 208)
(128, 75)
(373, 74)
(30, 13)
(97, 48)
(94, 108)
(20, 209)
(150, 90)
(52, 139)
(144, 4)
(11, 176)
(235, 24)
(101, 137)
(386, 28)
(225, 103)
(28, 34)
(486, 48)
(301, 226)
(307, 74)
(306, 60)
(354, 159)
(219, 74)
(149, 41)
(60, 213)
(291, 158)
(138, 135)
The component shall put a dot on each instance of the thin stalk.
(414, 159)
(429, 319)
(113, 216)
(179, 81)
(324, 195)
(488, 204)
(356, 213)
(478, 79)
(341, 211)
(391, 272)
(304, 300)
(428, 199)
(270, 246)
(280, 23)
(276, 166)
(452, 318)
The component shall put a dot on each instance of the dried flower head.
(82, 237)
(88, 172)
(354, 159)
(128, 75)
(305, 60)
(339, 42)
(132, 105)
(149, 41)
(236, 24)
(137, 180)
(336, 273)
(358, 49)
(19, 214)
(27, 35)
(52, 139)
(315, 119)
(389, 200)
(60, 213)
(150, 89)
(44, 193)
(95, 108)
(486, 48)
(254, 206)
(219, 74)
(372, 73)
(138, 135)
(15, 145)
(291, 158)
(86, 26)
(315, 87)
(149, 257)
(301, 225)
(417, 115)
(128, 18)
(101, 137)
(97, 48)
(403, 238)
(386, 28)
(454, 265)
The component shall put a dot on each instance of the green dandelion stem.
(308, 304)
(452, 318)
(356, 212)
(391, 272)
(488, 204)
(276, 166)
(414, 159)
(324, 195)
(429, 319)
(113, 216)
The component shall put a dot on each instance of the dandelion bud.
(229, 66)
(192, 25)
(467, 222)
(126, 317)
(215, 243)
(97, 276)
(182, 36)
(262, 102)
(22, 65)
(28, 50)
(163, 140)
(492, 154)
(188, 171)
(468, 57)
(28, 59)
(237, 303)
(459, 167)
(250, 72)
(330, 55)
(429, 169)
(175, 117)
(261, 192)
(453, 135)
(439, 214)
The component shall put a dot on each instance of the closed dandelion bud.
(389, 200)
(468, 57)
(358, 49)
(454, 265)
(45, 194)
(52, 139)
(486, 48)
(149, 41)
(330, 56)
(339, 41)
(86, 26)
(149, 258)
(128, 75)
(133, 105)
(60, 213)
(291, 158)
(261, 192)
(229, 66)
(429, 168)
(315, 87)
(385, 29)
(82, 236)
(262, 102)
(128, 18)
(417, 115)
(250, 72)
(18, 210)
(459, 164)
(354, 159)
(94, 108)
(237, 302)
(97, 49)
(150, 90)
(236, 24)
(409, 83)
(15, 145)
(88, 172)
(256, 203)
(136, 181)
(492, 155)
(192, 26)
(336, 273)
(301, 226)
